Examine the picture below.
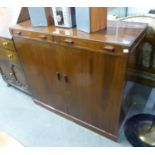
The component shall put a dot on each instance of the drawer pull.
(10, 56)
(18, 32)
(109, 48)
(68, 41)
(5, 43)
(58, 75)
(66, 78)
(43, 37)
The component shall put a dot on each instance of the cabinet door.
(40, 61)
(95, 81)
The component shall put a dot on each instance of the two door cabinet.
(78, 75)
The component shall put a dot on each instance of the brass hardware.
(66, 78)
(43, 37)
(68, 41)
(58, 75)
(5, 43)
(109, 48)
(10, 56)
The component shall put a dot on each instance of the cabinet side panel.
(98, 18)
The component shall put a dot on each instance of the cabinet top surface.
(117, 32)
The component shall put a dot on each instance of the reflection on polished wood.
(122, 33)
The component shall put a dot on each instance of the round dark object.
(131, 129)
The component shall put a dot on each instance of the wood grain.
(117, 33)
(98, 18)
(75, 74)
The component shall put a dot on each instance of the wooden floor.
(8, 141)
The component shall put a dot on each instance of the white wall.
(133, 11)
(117, 11)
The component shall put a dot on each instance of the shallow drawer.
(33, 35)
(9, 55)
(6, 44)
(93, 45)
(75, 42)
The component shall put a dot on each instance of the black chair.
(140, 130)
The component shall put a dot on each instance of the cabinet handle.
(66, 78)
(10, 56)
(109, 48)
(43, 37)
(5, 43)
(68, 41)
(58, 75)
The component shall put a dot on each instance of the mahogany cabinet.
(78, 75)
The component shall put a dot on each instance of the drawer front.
(89, 44)
(75, 42)
(9, 55)
(33, 35)
(6, 44)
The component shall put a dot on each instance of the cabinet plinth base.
(80, 122)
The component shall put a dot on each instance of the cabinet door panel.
(95, 84)
(40, 63)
